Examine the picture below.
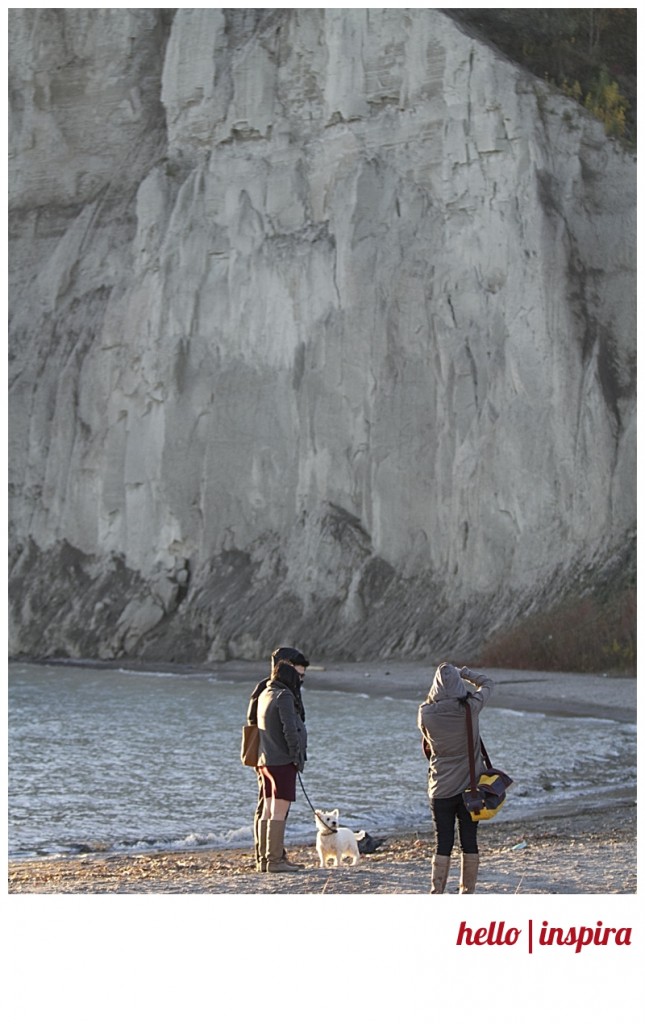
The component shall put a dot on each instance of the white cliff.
(322, 331)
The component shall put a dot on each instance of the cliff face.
(322, 331)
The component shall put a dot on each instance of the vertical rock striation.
(322, 327)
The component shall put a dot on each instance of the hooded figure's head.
(447, 684)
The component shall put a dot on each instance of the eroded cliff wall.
(322, 331)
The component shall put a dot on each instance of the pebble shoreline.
(586, 853)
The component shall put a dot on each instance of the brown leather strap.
(471, 747)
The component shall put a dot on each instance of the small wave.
(239, 835)
(338, 693)
(149, 673)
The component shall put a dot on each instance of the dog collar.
(329, 831)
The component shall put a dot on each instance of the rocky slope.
(322, 330)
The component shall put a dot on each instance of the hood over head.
(447, 684)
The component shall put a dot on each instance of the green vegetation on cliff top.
(588, 52)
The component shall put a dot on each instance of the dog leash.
(316, 815)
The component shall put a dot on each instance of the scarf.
(287, 675)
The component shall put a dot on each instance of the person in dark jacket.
(283, 752)
(442, 721)
(295, 658)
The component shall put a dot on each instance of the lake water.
(112, 760)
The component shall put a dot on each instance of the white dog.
(334, 842)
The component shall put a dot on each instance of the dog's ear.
(335, 812)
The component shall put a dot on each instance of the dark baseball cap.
(291, 654)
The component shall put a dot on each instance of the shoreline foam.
(580, 853)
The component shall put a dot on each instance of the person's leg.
(275, 837)
(266, 788)
(263, 812)
(258, 839)
(283, 794)
(279, 809)
(469, 851)
(443, 815)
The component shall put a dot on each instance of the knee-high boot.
(440, 869)
(469, 870)
(275, 847)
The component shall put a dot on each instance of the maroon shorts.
(279, 781)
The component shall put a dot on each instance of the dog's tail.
(360, 835)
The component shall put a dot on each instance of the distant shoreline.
(550, 693)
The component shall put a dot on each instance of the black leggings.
(444, 812)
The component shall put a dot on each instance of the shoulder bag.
(250, 750)
(486, 795)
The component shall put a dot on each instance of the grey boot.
(469, 869)
(275, 848)
(261, 846)
(440, 869)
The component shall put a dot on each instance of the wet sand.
(592, 851)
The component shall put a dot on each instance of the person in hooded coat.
(283, 752)
(296, 658)
(442, 721)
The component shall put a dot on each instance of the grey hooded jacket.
(442, 721)
(283, 735)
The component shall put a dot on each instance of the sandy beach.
(573, 855)
(590, 851)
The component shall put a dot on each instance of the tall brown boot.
(275, 847)
(469, 870)
(440, 869)
(261, 846)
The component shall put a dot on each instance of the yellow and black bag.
(485, 795)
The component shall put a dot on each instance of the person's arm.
(252, 710)
(425, 743)
(483, 685)
(288, 720)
